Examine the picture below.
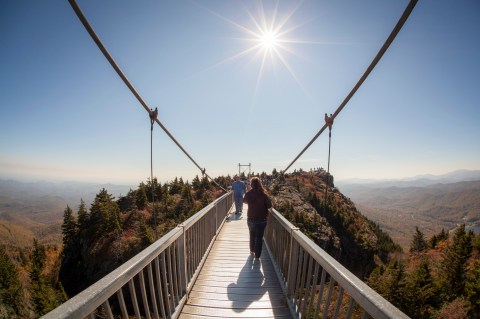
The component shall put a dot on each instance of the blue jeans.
(256, 228)
(238, 202)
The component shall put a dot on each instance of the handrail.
(306, 270)
(161, 274)
(315, 284)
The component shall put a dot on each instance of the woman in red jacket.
(258, 205)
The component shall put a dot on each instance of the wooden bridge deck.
(232, 284)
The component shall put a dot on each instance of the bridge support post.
(182, 261)
(292, 263)
(216, 218)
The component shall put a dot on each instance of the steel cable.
(372, 65)
(110, 59)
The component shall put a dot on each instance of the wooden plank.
(235, 290)
(235, 312)
(232, 284)
(216, 296)
(189, 316)
(253, 304)
(248, 282)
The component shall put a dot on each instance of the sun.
(269, 40)
(268, 37)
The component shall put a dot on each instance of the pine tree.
(147, 236)
(104, 214)
(11, 298)
(196, 182)
(69, 230)
(187, 194)
(418, 242)
(433, 241)
(156, 190)
(42, 295)
(83, 217)
(128, 202)
(421, 292)
(472, 290)
(454, 264)
(141, 199)
(476, 243)
(175, 187)
(205, 184)
(390, 283)
(443, 235)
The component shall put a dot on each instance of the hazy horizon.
(32, 179)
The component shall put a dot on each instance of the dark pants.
(256, 229)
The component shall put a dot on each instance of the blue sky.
(66, 115)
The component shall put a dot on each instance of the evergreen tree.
(141, 199)
(147, 236)
(175, 187)
(69, 230)
(476, 242)
(129, 201)
(104, 214)
(418, 243)
(196, 182)
(12, 304)
(156, 190)
(472, 290)
(187, 194)
(442, 235)
(454, 264)
(205, 184)
(433, 241)
(390, 283)
(421, 292)
(43, 296)
(83, 217)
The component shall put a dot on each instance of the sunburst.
(267, 38)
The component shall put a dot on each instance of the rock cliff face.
(338, 227)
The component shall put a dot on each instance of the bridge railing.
(154, 283)
(316, 285)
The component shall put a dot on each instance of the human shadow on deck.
(253, 289)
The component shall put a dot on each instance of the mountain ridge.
(398, 210)
(460, 175)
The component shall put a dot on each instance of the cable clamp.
(329, 121)
(153, 115)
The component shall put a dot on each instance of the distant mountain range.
(428, 201)
(419, 180)
(35, 209)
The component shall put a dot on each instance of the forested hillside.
(35, 280)
(438, 277)
(430, 207)
(338, 227)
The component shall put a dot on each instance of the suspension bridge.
(203, 268)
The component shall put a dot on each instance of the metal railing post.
(292, 264)
(182, 261)
(216, 218)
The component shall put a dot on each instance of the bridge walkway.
(232, 284)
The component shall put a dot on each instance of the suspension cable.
(110, 59)
(372, 65)
(329, 123)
